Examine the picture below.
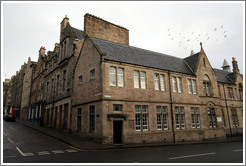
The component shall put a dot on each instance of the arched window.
(206, 86)
(204, 63)
(240, 89)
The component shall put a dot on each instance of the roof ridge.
(192, 55)
(76, 29)
(139, 48)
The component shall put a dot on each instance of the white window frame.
(195, 117)
(162, 117)
(141, 118)
(177, 84)
(112, 76)
(159, 81)
(179, 117)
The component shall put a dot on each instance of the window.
(240, 89)
(52, 87)
(179, 117)
(79, 115)
(118, 107)
(136, 79)
(143, 80)
(162, 117)
(219, 91)
(235, 90)
(139, 80)
(80, 80)
(65, 49)
(92, 119)
(47, 89)
(206, 88)
(192, 86)
(230, 93)
(120, 78)
(64, 80)
(159, 80)
(223, 117)
(195, 117)
(57, 84)
(119, 72)
(112, 76)
(141, 117)
(234, 117)
(212, 117)
(92, 74)
(177, 84)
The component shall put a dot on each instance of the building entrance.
(117, 131)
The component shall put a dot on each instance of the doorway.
(117, 131)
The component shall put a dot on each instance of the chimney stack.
(42, 51)
(64, 22)
(235, 66)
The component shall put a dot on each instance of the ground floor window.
(162, 117)
(141, 117)
(212, 117)
(65, 120)
(234, 117)
(195, 117)
(79, 118)
(92, 119)
(179, 117)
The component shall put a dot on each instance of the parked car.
(9, 117)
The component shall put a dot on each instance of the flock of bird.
(182, 40)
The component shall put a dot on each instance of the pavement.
(81, 143)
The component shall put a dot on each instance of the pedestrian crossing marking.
(58, 151)
(43, 153)
(71, 150)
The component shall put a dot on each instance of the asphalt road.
(25, 145)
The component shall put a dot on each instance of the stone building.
(26, 92)
(6, 94)
(58, 77)
(37, 103)
(124, 94)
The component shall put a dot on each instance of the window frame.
(92, 112)
(118, 105)
(162, 115)
(180, 118)
(139, 80)
(212, 117)
(141, 118)
(92, 74)
(195, 117)
(177, 84)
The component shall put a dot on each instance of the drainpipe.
(171, 102)
(227, 110)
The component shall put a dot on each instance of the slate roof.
(137, 56)
(224, 76)
(79, 34)
(192, 61)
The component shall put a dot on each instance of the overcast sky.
(172, 28)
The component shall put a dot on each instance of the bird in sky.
(225, 36)
(215, 29)
(221, 26)
(207, 38)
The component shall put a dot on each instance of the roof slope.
(137, 56)
(192, 61)
(79, 34)
(224, 76)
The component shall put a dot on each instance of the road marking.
(24, 154)
(58, 151)
(77, 148)
(194, 155)
(11, 141)
(71, 150)
(4, 134)
(239, 150)
(43, 153)
(6, 157)
(12, 128)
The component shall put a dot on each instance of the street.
(25, 145)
